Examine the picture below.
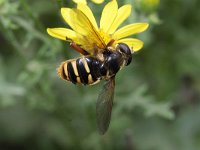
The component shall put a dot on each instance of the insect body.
(90, 70)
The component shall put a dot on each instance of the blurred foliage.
(156, 102)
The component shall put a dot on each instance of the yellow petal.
(81, 24)
(108, 15)
(123, 13)
(134, 44)
(78, 21)
(87, 11)
(71, 36)
(98, 1)
(68, 14)
(62, 33)
(130, 30)
(80, 1)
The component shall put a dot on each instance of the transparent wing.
(81, 24)
(92, 36)
(104, 105)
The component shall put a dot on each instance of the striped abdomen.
(83, 70)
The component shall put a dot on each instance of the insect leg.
(78, 48)
(110, 43)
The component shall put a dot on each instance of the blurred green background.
(156, 104)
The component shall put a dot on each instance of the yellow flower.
(85, 2)
(86, 33)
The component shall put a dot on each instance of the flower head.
(89, 36)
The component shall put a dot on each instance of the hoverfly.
(104, 49)
(90, 69)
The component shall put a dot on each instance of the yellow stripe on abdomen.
(75, 68)
(86, 65)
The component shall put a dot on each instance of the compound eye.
(124, 48)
